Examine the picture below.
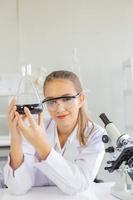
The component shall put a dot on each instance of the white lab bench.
(99, 191)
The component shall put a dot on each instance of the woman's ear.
(82, 98)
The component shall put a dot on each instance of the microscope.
(120, 146)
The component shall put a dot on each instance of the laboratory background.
(93, 38)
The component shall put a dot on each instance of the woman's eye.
(51, 102)
(67, 99)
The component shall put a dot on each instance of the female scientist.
(65, 150)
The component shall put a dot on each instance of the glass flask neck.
(26, 70)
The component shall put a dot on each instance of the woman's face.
(63, 110)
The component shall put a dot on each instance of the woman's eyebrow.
(50, 98)
(67, 94)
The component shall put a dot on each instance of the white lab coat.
(72, 168)
(1, 179)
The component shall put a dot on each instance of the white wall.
(8, 36)
(48, 31)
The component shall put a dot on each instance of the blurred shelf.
(3, 115)
(4, 141)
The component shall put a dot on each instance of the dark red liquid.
(34, 108)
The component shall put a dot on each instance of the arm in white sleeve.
(19, 181)
(73, 177)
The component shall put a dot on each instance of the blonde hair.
(83, 118)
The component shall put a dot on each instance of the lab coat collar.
(69, 140)
(54, 139)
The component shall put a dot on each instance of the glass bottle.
(27, 94)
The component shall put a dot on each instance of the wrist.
(15, 140)
(15, 160)
(44, 151)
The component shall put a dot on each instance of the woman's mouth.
(61, 116)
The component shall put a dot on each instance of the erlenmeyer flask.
(27, 94)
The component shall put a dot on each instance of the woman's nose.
(60, 106)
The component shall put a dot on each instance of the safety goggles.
(67, 101)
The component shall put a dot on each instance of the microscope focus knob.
(105, 138)
(110, 150)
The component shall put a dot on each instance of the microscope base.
(123, 195)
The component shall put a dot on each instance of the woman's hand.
(16, 153)
(35, 133)
(13, 121)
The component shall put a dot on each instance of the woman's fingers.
(12, 104)
(15, 122)
(30, 117)
(40, 119)
(24, 117)
(21, 124)
(12, 113)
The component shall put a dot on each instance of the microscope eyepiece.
(104, 119)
